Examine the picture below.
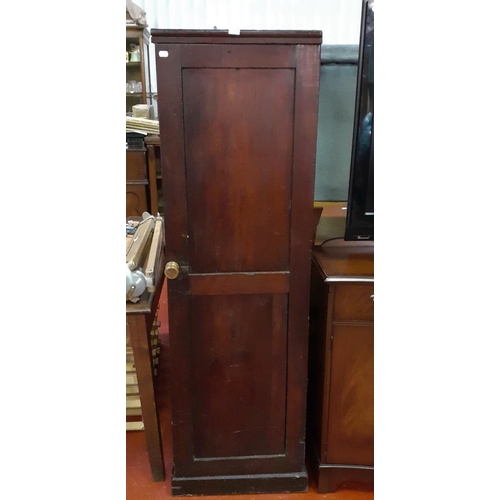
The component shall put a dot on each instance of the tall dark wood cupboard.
(238, 120)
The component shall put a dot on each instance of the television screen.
(360, 202)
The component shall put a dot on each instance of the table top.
(152, 139)
(340, 260)
(145, 303)
(149, 300)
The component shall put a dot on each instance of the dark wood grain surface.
(254, 37)
(238, 121)
(153, 158)
(345, 259)
(136, 183)
(341, 366)
(350, 426)
(354, 302)
(302, 203)
(239, 56)
(136, 199)
(245, 337)
(136, 165)
(235, 121)
(239, 283)
(152, 143)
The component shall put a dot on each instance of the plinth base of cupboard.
(234, 485)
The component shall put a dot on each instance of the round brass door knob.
(171, 270)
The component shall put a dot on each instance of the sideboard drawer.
(353, 302)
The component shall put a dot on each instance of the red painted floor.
(139, 484)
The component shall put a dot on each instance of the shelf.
(134, 94)
(133, 64)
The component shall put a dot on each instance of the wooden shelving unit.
(138, 71)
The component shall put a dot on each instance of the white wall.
(339, 20)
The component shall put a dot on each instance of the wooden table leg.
(140, 340)
(153, 190)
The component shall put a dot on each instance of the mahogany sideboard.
(340, 433)
(238, 124)
(143, 186)
(137, 183)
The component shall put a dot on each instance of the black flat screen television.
(360, 201)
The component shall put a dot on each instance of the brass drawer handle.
(372, 297)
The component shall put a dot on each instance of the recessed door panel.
(239, 374)
(238, 143)
(350, 429)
